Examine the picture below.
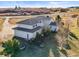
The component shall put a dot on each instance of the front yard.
(49, 48)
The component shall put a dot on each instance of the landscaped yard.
(49, 49)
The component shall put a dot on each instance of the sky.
(48, 4)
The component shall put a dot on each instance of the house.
(53, 26)
(28, 28)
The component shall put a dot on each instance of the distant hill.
(29, 11)
(74, 7)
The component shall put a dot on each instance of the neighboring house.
(28, 28)
(53, 27)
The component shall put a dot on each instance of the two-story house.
(28, 28)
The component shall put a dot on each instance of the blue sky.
(39, 3)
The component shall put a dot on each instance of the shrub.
(40, 37)
(11, 47)
(46, 32)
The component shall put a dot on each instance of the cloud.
(63, 3)
(55, 4)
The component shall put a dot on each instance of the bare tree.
(61, 30)
(64, 32)
(16, 7)
(58, 19)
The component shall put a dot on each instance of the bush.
(11, 47)
(46, 32)
(40, 37)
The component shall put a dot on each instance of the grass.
(1, 24)
(75, 31)
(73, 42)
(74, 51)
(48, 44)
(73, 26)
(36, 51)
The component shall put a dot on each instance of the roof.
(53, 23)
(28, 30)
(35, 20)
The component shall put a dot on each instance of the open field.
(13, 19)
(74, 29)
(9, 33)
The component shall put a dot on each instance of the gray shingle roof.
(35, 20)
(28, 30)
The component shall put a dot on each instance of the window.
(27, 36)
(34, 25)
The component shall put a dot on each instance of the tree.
(38, 37)
(58, 19)
(61, 34)
(46, 32)
(61, 30)
(16, 7)
(11, 47)
(59, 23)
(19, 7)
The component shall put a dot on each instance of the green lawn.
(36, 51)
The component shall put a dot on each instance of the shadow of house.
(54, 46)
(36, 51)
